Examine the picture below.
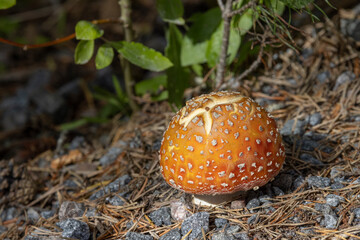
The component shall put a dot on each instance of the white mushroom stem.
(215, 200)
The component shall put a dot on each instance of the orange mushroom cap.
(219, 143)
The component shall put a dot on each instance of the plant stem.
(125, 6)
(220, 73)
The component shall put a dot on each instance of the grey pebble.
(115, 201)
(319, 182)
(323, 76)
(171, 235)
(2, 229)
(334, 200)
(70, 209)
(337, 185)
(324, 208)
(91, 212)
(222, 236)
(329, 221)
(315, 119)
(310, 159)
(265, 199)
(33, 215)
(308, 145)
(357, 213)
(252, 219)
(77, 142)
(298, 182)
(299, 128)
(278, 191)
(232, 229)
(9, 213)
(196, 223)
(137, 236)
(112, 187)
(161, 216)
(220, 223)
(73, 228)
(345, 77)
(253, 203)
(110, 156)
(241, 236)
(336, 172)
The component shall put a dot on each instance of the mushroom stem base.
(215, 200)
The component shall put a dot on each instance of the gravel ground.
(115, 191)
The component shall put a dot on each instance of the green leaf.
(276, 5)
(4, 4)
(85, 30)
(193, 53)
(297, 4)
(104, 56)
(81, 122)
(142, 56)
(245, 21)
(214, 47)
(151, 85)
(84, 51)
(171, 11)
(177, 76)
(204, 25)
(119, 92)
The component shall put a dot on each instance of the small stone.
(161, 216)
(324, 208)
(69, 209)
(308, 145)
(319, 182)
(315, 119)
(2, 229)
(115, 201)
(241, 236)
(9, 213)
(179, 210)
(237, 204)
(307, 52)
(345, 77)
(222, 236)
(329, 221)
(333, 200)
(77, 142)
(289, 129)
(33, 215)
(137, 236)
(110, 156)
(112, 187)
(91, 212)
(156, 146)
(337, 185)
(310, 159)
(73, 228)
(232, 229)
(265, 199)
(253, 203)
(336, 171)
(171, 235)
(278, 191)
(323, 76)
(196, 223)
(357, 213)
(252, 219)
(220, 223)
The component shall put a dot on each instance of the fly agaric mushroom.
(221, 143)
